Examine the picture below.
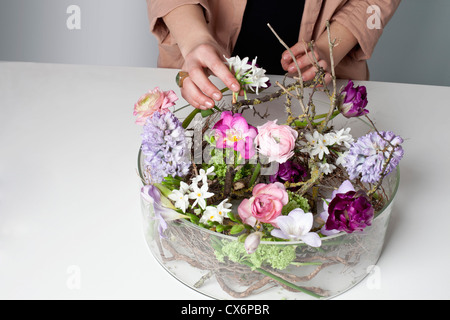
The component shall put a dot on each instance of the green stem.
(302, 264)
(181, 108)
(299, 123)
(281, 280)
(255, 174)
(190, 117)
(194, 112)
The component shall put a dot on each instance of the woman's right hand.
(202, 55)
(202, 61)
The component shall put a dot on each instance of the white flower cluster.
(187, 192)
(319, 145)
(248, 75)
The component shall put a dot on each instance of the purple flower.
(165, 147)
(369, 154)
(152, 196)
(354, 100)
(233, 131)
(349, 212)
(289, 171)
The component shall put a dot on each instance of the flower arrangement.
(298, 181)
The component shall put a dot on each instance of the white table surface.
(70, 220)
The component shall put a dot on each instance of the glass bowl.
(201, 259)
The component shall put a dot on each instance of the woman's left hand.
(307, 62)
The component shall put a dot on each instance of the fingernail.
(209, 104)
(216, 96)
(292, 69)
(235, 87)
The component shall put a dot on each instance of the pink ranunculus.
(276, 141)
(152, 101)
(233, 131)
(265, 205)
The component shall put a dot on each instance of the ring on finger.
(181, 75)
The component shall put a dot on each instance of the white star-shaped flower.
(343, 137)
(216, 213)
(326, 168)
(181, 199)
(203, 175)
(200, 195)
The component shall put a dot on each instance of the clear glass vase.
(218, 266)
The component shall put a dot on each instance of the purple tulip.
(289, 171)
(354, 100)
(349, 212)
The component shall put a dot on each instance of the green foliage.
(237, 228)
(296, 201)
(172, 183)
(277, 256)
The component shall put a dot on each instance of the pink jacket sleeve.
(159, 8)
(366, 20)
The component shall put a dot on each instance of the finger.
(304, 61)
(296, 50)
(310, 73)
(194, 96)
(208, 89)
(220, 70)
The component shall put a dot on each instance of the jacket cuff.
(357, 18)
(157, 9)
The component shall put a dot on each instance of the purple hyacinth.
(165, 147)
(369, 154)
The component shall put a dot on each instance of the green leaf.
(193, 217)
(232, 217)
(220, 228)
(207, 112)
(237, 228)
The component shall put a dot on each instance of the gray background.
(413, 48)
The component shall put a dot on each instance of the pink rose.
(153, 101)
(276, 142)
(265, 205)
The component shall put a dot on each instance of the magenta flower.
(233, 131)
(348, 211)
(354, 100)
(289, 171)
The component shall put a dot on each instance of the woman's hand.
(202, 55)
(345, 42)
(202, 61)
(307, 62)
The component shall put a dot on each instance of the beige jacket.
(225, 16)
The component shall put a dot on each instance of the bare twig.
(292, 56)
(333, 78)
